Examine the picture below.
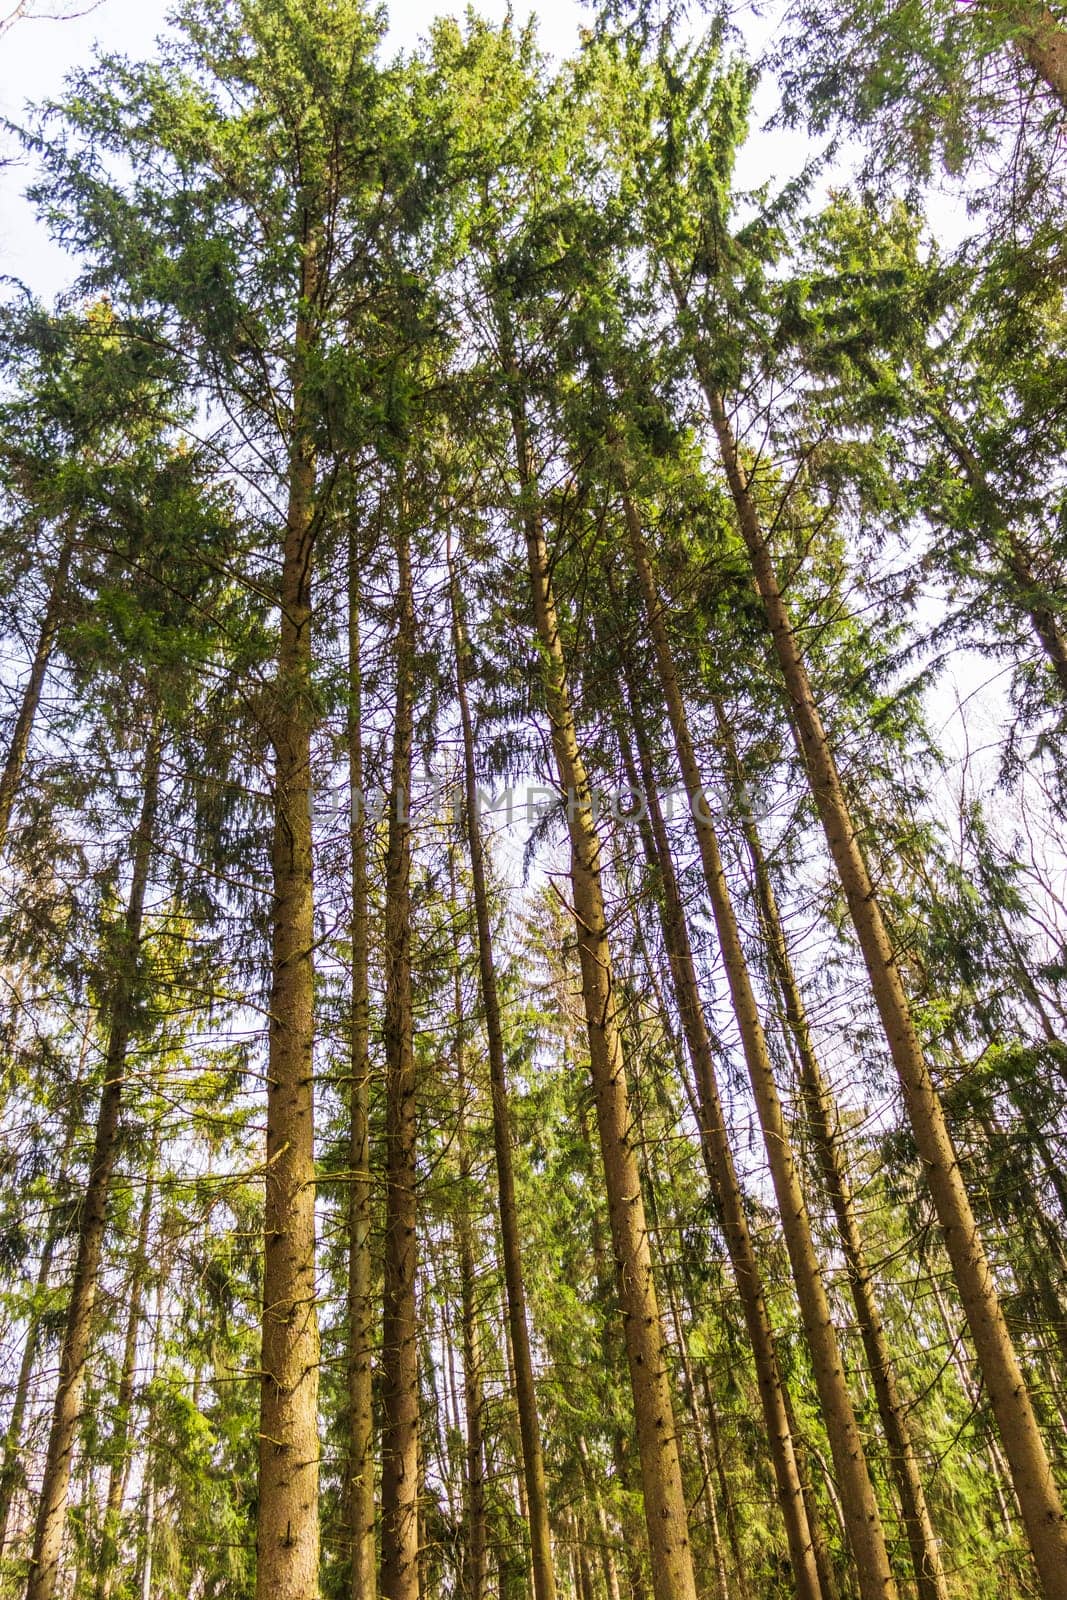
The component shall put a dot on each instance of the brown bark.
(664, 1499)
(518, 1325)
(1038, 1496)
(862, 1515)
(55, 1486)
(119, 1466)
(287, 1531)
(400, 1576)
(31, 695)
(689, 1389)
(361, 1312)
(818, 1104)
(724, 1181)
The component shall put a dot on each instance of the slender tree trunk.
(473, 1392)
(862, 1514)
(13, 1438)
(818, 1103)
(587, 1588)
(998, 1471)
(400, 1579)
(1035, 1486)
(55, 1486)
(518, 1325)
(664, 1500)
(474, 1403)
(722, 1582)
(361, 1314)
(593, 1496)
(118, 1469)
(514, 1436)
(704, 1407)
(148, 1530)
(732, 1530)
(723, 1174)
(15, 759)
(635, 1567)
(287, 1531)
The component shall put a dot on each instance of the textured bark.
(1038, 1496)
(55, 1485)
(862, 1515)
(723, 1176)
(664, 1500)
(287, 1531)
(361, 1310)
(400, 1576)
(15, 759)
(821, 1114)
(511, 1248)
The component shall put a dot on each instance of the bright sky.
(35, 56)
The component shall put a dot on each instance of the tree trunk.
(55, 1486)
(13, 1438)
(361, 1315)
(1038, 1496)
(473, 1392)
(607, 1553)
(518, 1326)
(148, 1530)
(998, 1472)
(118, 1468)
(818, 1104)
(707, 1492)
(31, 694)
(664, 1500)
(862, 1515)
(400, 1354)
(287, 1531)
(723, 1176)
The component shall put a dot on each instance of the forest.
(533, 900)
